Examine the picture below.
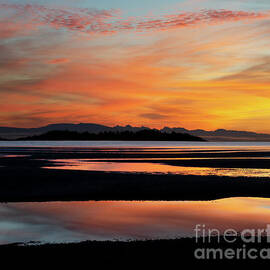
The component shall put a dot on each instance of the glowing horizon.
(196, 64)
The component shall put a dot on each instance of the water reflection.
(78, 221)
(155, 168)
(13, 156)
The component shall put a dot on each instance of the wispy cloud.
(87, 20)
(109, 21)
(205, 72)
(202, 17)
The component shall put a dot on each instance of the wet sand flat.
(31, 174)
(81, 174)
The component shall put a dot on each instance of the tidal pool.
(154, 168)
(126, 220)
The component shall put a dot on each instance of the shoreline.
(24, 178)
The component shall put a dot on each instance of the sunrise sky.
(186, 63)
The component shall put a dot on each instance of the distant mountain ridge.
(141, 135)
(222, 134)
(217, 135)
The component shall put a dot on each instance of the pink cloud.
(74, 19)
(109, 21)
(202, 17)
(58, 61)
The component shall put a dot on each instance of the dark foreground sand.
(26, 184)
(178, 254)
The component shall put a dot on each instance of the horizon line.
(126, 125)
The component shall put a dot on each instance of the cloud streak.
(86, 20)
(109, 21)
(202, 17)
(210, 73)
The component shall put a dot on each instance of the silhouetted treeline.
(143, 135)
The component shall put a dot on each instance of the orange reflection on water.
(156, 168)
(77, 221)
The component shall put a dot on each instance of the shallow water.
(13, 156)
(78, 221)
(154, 168)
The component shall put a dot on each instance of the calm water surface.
(155, 168)
(78, 221)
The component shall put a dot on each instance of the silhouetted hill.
(13, 132)
(92, 128)
(217, 135)
(142, 135)
(222, 134)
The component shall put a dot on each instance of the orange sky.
(193, 69)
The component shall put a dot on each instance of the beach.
(153, 196)
(200, 173)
